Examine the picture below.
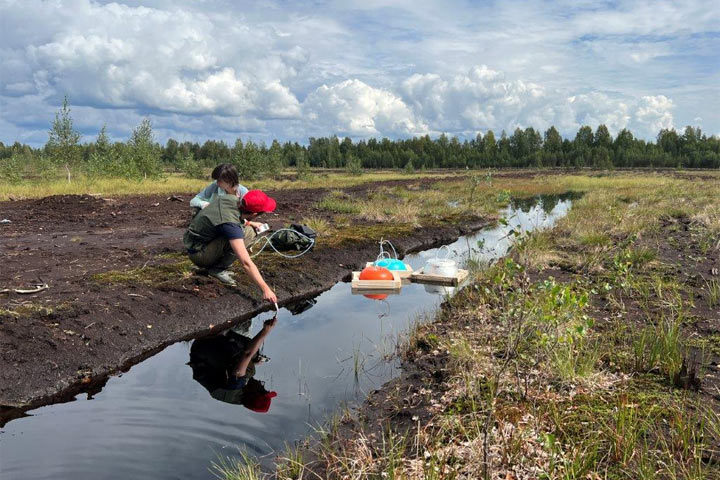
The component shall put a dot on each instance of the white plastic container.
(440, 266)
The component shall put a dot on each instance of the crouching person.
(217, 237)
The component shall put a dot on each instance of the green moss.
(361, 234)
(173, 256)
(339, 202)
(35, 309)
(148, 276)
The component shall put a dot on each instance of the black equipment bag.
(305, 230)
(291, 238)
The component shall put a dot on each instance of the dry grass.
(104, 186)
(320, 225)
(175, 183)
(405, 212)
(709, 217)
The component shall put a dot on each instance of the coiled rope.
(282, 254)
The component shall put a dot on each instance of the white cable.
(383, 252)
(268, 242)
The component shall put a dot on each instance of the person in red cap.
(256, 398)
(225, 366)
(220, 233)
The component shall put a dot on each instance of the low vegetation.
(577, 357)
(172, 183)
(171, 269)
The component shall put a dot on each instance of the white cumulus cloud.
(654, 113)
(356, 109)
(221, 69)
(170, 60)
(480, 99)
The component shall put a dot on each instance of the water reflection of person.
(225, 366)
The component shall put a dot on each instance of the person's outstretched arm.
(238, 246)
(202, 199)
(199, 202)
(253, 347)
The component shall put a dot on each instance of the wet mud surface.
(67, 339)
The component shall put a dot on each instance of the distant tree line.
(142, 157)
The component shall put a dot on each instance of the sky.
(289, 70)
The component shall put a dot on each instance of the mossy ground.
(35, 309)
(177, 269)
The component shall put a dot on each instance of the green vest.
(222, 209)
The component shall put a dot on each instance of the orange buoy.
(376, 296)
(376, 273)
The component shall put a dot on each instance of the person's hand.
(270, 323)
(255, 225)
(269, 295)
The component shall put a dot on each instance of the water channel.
(156, 421)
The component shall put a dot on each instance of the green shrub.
(97, 165)
(190, 167)
(118, 161)
(337, 202)
(303, 168)
(43, 167)
(11, 168)
(248, 160)
(144, 152)
(409, 167)
(353, 166)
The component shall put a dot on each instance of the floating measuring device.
(452, 280)
(402, 273)
(377, 278)
(391, 261)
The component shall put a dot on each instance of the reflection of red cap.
(256, 201)
(258, 403)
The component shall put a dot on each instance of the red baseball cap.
(258, 402)
(256, 201)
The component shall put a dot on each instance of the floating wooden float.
(434, 279)
(400, 273)
(378, 293)
(394, 284)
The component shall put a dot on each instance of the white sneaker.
(224, 277)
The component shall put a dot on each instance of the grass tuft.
(234, 468)
(320, 225)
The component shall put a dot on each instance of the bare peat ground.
(90, 323)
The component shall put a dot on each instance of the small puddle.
(157, 421)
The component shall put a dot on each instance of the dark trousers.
(218, 255)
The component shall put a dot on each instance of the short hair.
(216, 170)
(227, 173)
